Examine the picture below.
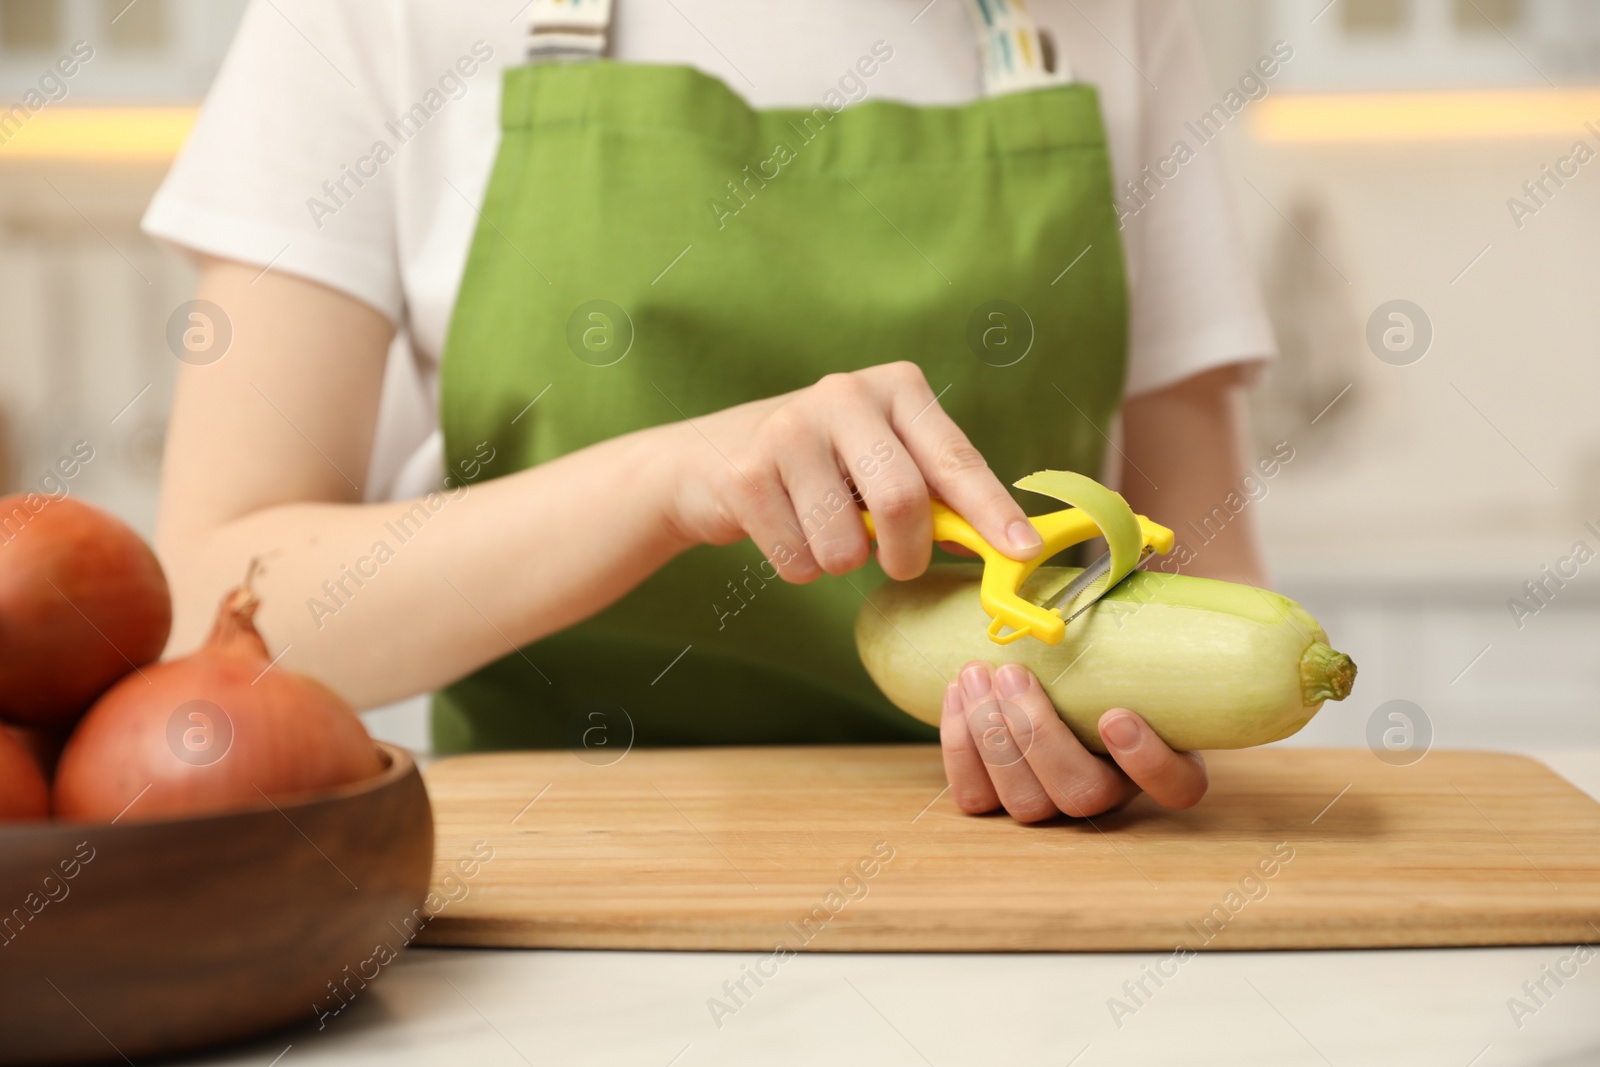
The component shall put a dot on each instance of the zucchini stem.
(1325, 674)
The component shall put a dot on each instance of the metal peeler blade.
(1080, 585)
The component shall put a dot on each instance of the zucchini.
(1207, 664)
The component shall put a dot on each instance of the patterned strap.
(564, 31)
(1015, 53)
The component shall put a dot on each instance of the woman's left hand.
(1004, 746)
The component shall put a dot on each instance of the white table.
(1407, 1007)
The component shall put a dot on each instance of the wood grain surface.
(862, 849)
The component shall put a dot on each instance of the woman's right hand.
(787, 471)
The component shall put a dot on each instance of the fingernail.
(1120, 731)
(1011, 680)
(1023, 537)
(975, 681)
(952, 698)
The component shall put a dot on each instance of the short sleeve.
(285, 165)
(1195, 298)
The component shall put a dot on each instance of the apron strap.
(1016, 54)
(566, 31)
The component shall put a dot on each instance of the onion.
(82, 602)
(44, 745)
(221, 729)
(23, 792)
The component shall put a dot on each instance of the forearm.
(1184, 466)
(383, 601)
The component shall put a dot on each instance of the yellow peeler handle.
(1096, 510)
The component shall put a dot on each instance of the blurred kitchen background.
(1423, 494)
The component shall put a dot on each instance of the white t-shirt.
(309, 86)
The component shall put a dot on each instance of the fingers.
(1005, 746)
(1078, 782)
(895, 491)
(829, 521)
(883, 429)
(969, 778)
(1173, 779)
(763, 510)
(954, 469)
(1001, 734)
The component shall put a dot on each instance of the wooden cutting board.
(862, 848)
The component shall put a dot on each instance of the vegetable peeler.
(1094, 511)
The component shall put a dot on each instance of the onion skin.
(141, 752)
(108, 611)
(44, 745)
(24, 794)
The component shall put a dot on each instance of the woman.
(671, 311)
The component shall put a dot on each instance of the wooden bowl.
(144, 939)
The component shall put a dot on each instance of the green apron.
(652, 248)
